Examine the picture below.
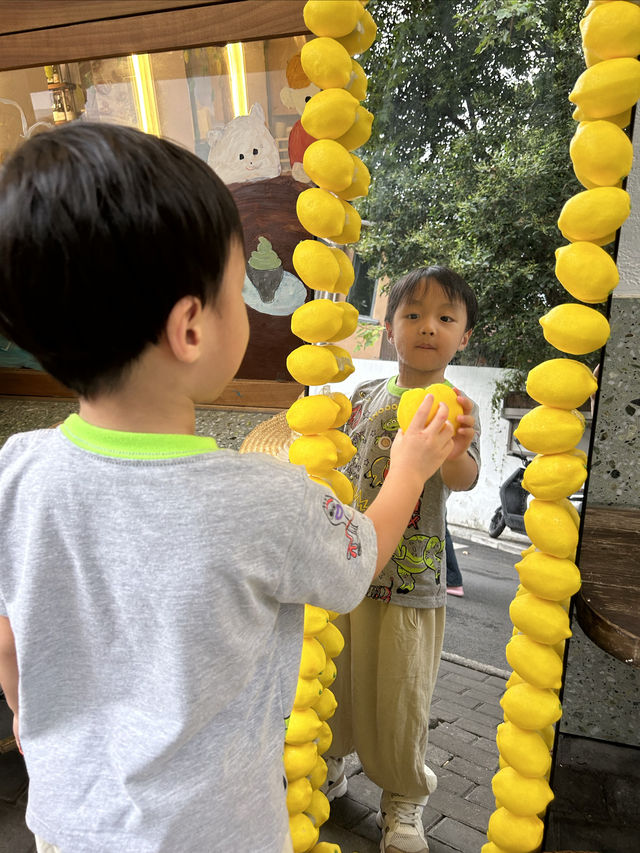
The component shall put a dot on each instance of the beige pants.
(386, 676)
(44, 847)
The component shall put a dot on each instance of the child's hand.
(422, 450)
(16, 733)
(465, 432)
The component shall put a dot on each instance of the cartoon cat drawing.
(244, 149)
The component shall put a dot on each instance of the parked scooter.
(514, 500)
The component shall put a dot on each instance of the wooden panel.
(608, 604)
(245, 20)
(22, 15)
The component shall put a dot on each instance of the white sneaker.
(400, 820)
(336, 782)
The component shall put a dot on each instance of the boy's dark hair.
(102, 230)
(454, 286)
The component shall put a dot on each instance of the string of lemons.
(339, 124)
(601, 153)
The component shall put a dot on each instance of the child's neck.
(408, 378)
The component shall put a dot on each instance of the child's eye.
(447, 319)
(412, 316)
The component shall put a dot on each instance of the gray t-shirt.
(416, 574)
(157, 607)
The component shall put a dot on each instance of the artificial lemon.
(490, 847)
(316, 265)
(329, 165)
(332, 18)
(554, 578)
(329, 114)
(303, 726)
(575, 329)
(525, 751)
(303, 833)
(318, 774)
(312, 365)
(313, 414)
(299, 760)
(573, 512)
(552, 476)
(514, 678)
(515, 833)
(312, 659)
(622, 119)
(536, 663)
(608, 88)
(325, 847)
(338, 482)
(357, 85)
(521, 795)
(592, 215)
(345, 408)
(359, 186)
(298, 795)
(562, 383)
(326, 63)
(612, 30)
(350, 233)
(344, 447)
(332, 640)
(315, 452)
(321, 213)
(442, 393)
(349, 321)
(361, 37)
(318, 808)
(315, 619)
(551, 528)
(344, 363)
(543, 621)
(346, 271)
(328, 674)
(601, 152)
(308, 692)
(326, 704)
(324, 737)
(546, 429)
(531, 708)
(359, 132)
(548, 735)
(586, 271)
(317, 320)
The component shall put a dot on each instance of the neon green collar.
(133, 445)
(398, 390)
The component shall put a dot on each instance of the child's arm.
(9, 671)
(460, 469)
(415, 456)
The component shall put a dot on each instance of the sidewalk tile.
(364, 791)
(453, 782)
(436, 757)
(471, 771)
(467, 700)
(465, 811)
(458, 747)
(490, 709)
(459, 836)
(347, 840)
(346, 812)
(484, 730)
(483, 796)
(449, 711)
(461, 682)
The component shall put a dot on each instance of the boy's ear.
(389, 329)
(465, 339)
(183, 331)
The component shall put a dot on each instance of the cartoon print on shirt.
(381, 593)
(378, 470)
(356, 415)
(334, 511)
(415, 515)
(415, 555)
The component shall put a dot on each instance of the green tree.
(470, 154)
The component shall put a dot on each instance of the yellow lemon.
(548, 735)
(357, 85)
(303, 726)
(531, 708)
(528, 550)
(299, 760)
(321, 213)
(324, 737)
(490, 847)
(332, 18)
(326, 704)
(586, 271)
(315, 452)
(312, 659)
(338, 482)
(328, 674)
(318, 774)
(345, 408)
(514, 678)
(329, 114)
(325, 847)
(359, 186)
(622, 119)
(316, 265)
(546, 429)
(350, 233)
(303, 833)
(344, 447)
(344, 363)
(329, 164)
(326, 63)
(553, 476)
(312, 365)
(521, 795)
(318, 808)
(525, 751)
(612, 30)
(317, 320)
(360, 130)
(562, 383)
(608, 88)
(542, 621)
(575, 329)
(298, 795)
(536, 663)
(332, 640)
(346, 271)
(593, 214)
(361, 37)
(601, 152)
(573, 512)
(554, 578)
(516, 833)
(442, 393)
(349, 321)
(315, 619)
(308, 692)
(313, 414)
(551, 528)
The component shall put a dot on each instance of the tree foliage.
(470, 154)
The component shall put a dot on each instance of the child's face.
(427, 331)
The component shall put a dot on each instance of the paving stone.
(436, 757)
(367, 828)
(459, 836)
(453, 781)
(488, 744)
(436, 846)
(458, 747)
(449, 711)
(473, 674)
(352, 765)
(483, 796)
(491, 709)
(460, 809)
(347, 839)
(452, 729)
(467, 700)
(481, 729)
(346, 812)
(471, 771)
(364, 791)
(496, 681)
(461, 682)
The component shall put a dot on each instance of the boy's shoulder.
(369, 387)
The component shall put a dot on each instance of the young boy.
(394, 637)
(152, 586)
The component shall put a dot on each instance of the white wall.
(475, 508)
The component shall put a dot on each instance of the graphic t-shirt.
(416, 574)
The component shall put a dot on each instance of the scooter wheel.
(497, 524)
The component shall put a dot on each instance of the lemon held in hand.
(442, 393)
